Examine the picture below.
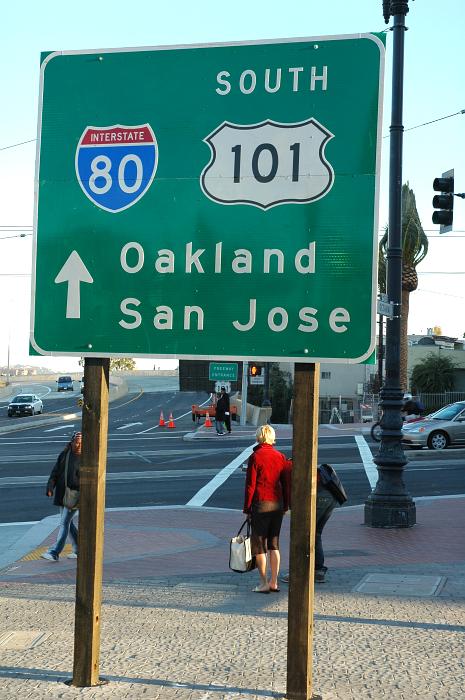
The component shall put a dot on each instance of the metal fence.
(432, 402)
(339, 409)
(369, 408)
(366, 408)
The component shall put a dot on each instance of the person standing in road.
(68, 461)
(266, 500)
(222, 408)
(224, 397)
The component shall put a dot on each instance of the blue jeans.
(67, 527)
(219, 425)
(325, 504)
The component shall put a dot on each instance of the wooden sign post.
(303, 520)
(91, 521)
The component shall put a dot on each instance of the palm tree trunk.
(404, 339)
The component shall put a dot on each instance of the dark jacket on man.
(222, 406)
(411, 407)
(56, 481)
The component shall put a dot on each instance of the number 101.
(272, 150)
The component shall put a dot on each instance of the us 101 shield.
(267, 164)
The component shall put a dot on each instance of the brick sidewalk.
(164, 542)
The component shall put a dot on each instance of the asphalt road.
(150, 466)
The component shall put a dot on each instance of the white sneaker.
(48, 556)
(73, 555)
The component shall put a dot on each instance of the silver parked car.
(438, 430)
(25, 405)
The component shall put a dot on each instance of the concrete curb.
(30, 540)
(27, 425)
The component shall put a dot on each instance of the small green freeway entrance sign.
(222, 371)
(209, 201)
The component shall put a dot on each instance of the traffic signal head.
(254, 371)
(443, 184)
(444, 202)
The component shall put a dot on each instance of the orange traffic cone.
(161, 422)
(208, 423)
(171, 422)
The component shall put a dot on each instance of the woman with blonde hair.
(265, 502)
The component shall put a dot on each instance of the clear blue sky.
(434, 64)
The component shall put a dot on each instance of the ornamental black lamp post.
(389, 505)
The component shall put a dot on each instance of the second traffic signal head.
(444, 202)
(255, 371)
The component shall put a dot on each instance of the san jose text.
(243, 262)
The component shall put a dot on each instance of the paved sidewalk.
(178, 624)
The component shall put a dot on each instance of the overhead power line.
(410, 128)
(442, 294)
(433, 121)
(14, 145)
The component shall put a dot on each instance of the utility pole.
(8, 363)
(303, 527)
(389, 505)
(380, 351)
(245, 379)
(91, 519)
(266, 385)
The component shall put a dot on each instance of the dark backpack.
(330, 480)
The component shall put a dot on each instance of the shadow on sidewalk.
(23, 673)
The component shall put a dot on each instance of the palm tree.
(433, 374)
(414, 250)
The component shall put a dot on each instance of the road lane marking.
(60, 427)
(128, 425)
(367, 459)
(206, 491)
(120, 405)
(25, 481)
(144, 459)
(124, 454)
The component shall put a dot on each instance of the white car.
(25, 405)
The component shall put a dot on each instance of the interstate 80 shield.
(115, 165)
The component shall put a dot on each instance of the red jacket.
(267, 477)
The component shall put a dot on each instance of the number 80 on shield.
(116, 165)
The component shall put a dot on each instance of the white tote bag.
(240, 551)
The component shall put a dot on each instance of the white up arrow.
(74, 272)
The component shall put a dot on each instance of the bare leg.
(275, 559)
(260, 560)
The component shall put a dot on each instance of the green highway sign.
(222, 371)
(209, 201)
